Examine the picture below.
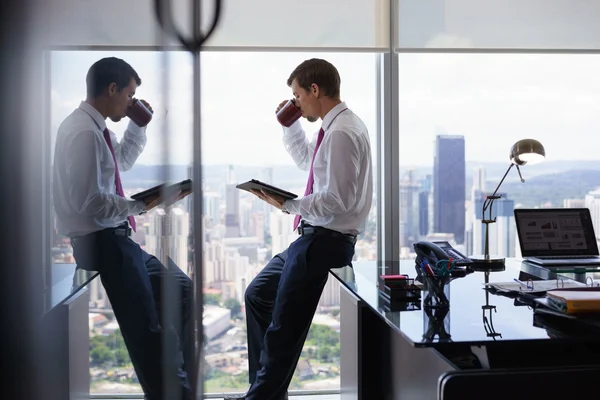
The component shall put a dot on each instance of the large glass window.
(241, 139)
(459, 116)
(162, 232)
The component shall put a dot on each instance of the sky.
(493, 100)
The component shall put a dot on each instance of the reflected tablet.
(254, 184)
(157, 190)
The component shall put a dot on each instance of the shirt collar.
(332, 114)
(95, 114)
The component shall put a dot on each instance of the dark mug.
(289, 113)
(139, 113)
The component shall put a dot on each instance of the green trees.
(109, 350)
(234, 306)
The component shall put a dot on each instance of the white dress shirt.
(84, 191)
(343, 176)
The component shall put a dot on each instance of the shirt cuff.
(136, 130)
(291, 206)
(136, 207)
(293, 129)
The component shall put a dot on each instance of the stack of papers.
(534, 286)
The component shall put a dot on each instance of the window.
(241, 139)
(464, 112)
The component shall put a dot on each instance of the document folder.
(585, 300)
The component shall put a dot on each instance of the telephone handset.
(436, 251)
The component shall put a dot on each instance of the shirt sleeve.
(130, 147)
(297, 145)
(82, 163)
(339, 193)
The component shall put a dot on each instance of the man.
(282, 299)
(91, 209)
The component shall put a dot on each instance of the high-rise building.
(503, 232)
(478, 180)
(282, 231)
(409, 209)
(211, 206)
(574, 203)
(424, 206)
(477, 192)
(449, 186)
(232, 204)
(592, 201)
(167, 236)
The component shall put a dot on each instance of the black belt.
(121, 230)
(306, 229)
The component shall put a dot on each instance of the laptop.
(557, 236)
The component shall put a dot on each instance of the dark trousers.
(135, 283)
(280, 304)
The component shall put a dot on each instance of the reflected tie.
(311, 177)
(117, 175)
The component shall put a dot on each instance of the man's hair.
(320, 72)
(106, 71)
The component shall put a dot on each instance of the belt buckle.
(128, 232)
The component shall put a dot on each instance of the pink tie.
(311, 177)
(117, 175)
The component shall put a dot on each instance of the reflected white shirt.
(84, 191)
(343, 176)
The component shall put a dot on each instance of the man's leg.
(302, 281)
(125, 279)
(259, 299)
(173, 281)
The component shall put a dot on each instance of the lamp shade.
(527, 151)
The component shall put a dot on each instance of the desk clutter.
(562, 306)
(399, 293)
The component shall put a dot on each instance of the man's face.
(120, 100)
(307, 101)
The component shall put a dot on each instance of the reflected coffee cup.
(139, 113)
(289, 113)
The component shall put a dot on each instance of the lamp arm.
(489, 200)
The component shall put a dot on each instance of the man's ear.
(112, 88)
(315, 90)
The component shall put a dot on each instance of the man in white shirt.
(92, 210)
(282, 299)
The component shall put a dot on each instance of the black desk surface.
(464, 320)
(65, 281)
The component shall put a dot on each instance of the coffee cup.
(139, 113)
(289, 113)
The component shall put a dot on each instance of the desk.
(65, 350)
(403, 354)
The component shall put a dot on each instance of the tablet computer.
(157, 190)
(254, 184)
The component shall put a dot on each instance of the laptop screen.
(555, 232)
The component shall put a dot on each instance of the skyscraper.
(167, 236)
(232, 211)
(409, 209)
(424, 209)
(449, 186)
(502, 233)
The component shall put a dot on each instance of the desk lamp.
(525, 151)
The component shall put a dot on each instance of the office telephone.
(436, 251)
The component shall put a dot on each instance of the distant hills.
(546, 182)
(551, 188)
